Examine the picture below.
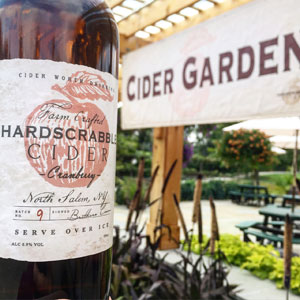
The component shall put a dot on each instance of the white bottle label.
(58, 146)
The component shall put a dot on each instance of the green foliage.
(234, 249)
(277, 183)
(133, 145)
(206, 164)
(245, 149)
(216, 188)
(278, 274)
(205, 159)
(283, 162)
(187, 189)
(126, 188)
(295, 271)
(195, 246)
(126, 153)
(262, 261)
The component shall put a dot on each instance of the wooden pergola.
(140, 23)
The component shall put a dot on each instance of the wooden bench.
(252, 194)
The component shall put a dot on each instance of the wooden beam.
(167, 147)
(132, 43)
(113, 3)
(203, 16)
(158, 10)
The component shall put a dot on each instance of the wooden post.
(167, 147)
(295, 167)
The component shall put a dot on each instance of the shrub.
(262, 261)
(234, 249)
(277, 274)
(216, 188)
(245, 149)
(281, 182)
(126, 188)
(187, 189)
(295, 280)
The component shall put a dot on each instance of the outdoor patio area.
(229, 214)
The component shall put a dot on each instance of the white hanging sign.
(240, 65)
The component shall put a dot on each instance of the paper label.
(58, 147)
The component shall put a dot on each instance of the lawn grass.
(277, 183)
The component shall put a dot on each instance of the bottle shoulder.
(78, 7)
(75, 31)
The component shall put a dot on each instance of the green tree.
(205, 159)
(132, 145)
(248, 150)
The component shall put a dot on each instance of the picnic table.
(271, 228)
(252, 194)
(288, 199)
(278, 213)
